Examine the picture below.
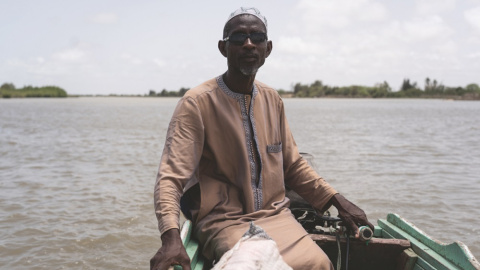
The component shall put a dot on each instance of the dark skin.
(243, 62)
(171, 253)
(247, 56)
(352, 216)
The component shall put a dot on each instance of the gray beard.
(249, 71)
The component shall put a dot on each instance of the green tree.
(406, 84)
(427, 85)
(301, 90)
(182, 91)
(473, 87)
(316, 89)
(7, 86)
(436, 88)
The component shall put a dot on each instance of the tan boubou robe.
(240, 151)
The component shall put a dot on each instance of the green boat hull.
(397, 244)
(425, 252)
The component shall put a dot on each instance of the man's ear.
(222, 47)
(269, 48)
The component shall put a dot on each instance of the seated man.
(228, 155)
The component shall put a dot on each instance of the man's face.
(248, 57)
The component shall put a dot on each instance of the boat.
(394, 244)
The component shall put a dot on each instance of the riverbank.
(9, 91)
(288, 95)
(473, 96)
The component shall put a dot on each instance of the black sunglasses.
(239, 38)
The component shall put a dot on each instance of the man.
(229, 154)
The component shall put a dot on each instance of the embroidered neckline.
(232, 94)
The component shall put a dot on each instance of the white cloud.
(447, 48)
(298, 45)
(373, 12)
(341, 13)
(59, 63)
(356, 42)
(132, 59)
(104, 18)
(70, 55)
(36, 67)
(433, 7)
(159, 62)
(336, 31)
(473, 17)
(426, 28)
(474, 55)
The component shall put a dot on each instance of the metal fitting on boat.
(365, 233)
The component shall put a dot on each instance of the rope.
(348, 249)
(339, 257)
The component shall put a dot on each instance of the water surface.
(77, 174)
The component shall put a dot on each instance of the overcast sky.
(131, 47)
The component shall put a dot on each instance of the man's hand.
(171, 253)
(351, 215)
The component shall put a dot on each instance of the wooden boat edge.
(431, 253)
(435, 254)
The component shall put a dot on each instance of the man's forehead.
(248, 11)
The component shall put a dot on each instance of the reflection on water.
(77, 175)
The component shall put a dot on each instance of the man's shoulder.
(263, 86)
(201, 89)
(267, 90)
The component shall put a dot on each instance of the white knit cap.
(248, 10)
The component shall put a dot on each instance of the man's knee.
(307, 255)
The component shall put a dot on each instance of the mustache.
(249, 55)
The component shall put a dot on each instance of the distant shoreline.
(291, 96)
(8, 90)
(408, 89)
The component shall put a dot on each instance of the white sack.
(254, 251)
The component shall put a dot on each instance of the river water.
(77, 174)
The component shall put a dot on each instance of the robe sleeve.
(179, 162)
(299, 175)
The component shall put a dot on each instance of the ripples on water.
(77, 175)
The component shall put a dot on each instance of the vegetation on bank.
(8, 90)
(166, 93)
(408, 89)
